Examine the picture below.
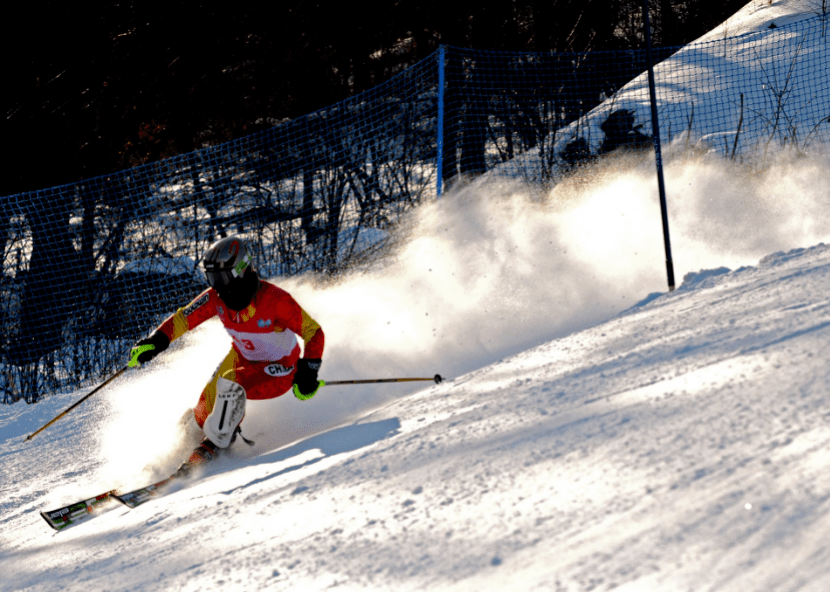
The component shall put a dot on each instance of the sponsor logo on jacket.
(278, 370)
(197, 303)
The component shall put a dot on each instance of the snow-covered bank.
(681, 445)
(758, 81)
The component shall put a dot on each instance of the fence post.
(657, 145)
(440, 119)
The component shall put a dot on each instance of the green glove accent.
(300, 396)
(136, 353)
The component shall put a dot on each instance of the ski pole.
(107, 381)
(436, 378)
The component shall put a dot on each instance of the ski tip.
(52, 524)
(58, 520)
(68, 515)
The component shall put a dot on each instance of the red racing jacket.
(266, 330)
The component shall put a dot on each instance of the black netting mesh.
(91, 266)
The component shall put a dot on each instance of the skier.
(264, 362)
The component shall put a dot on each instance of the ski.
(67, 515)
(135, 498)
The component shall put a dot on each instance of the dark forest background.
(95, 87)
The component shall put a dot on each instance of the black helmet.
(228, 268)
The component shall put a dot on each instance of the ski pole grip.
(137, 352)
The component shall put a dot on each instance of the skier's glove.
(147, 348)
(306, 379)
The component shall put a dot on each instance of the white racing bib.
(264, 346)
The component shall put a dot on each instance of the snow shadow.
(339, 440)
(328, 443)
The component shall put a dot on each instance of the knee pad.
(229, 409)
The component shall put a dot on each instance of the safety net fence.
(91, 266)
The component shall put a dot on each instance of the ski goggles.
(223, 277)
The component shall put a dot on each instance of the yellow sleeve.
(313, 336)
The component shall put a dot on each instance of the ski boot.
(204, 453)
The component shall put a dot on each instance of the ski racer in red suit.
(265, 361)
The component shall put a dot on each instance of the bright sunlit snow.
(595, 433)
